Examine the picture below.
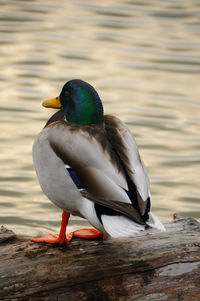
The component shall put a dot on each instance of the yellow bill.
(52, 103)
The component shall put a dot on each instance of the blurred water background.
(143, 57)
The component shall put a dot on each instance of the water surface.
(143, 57)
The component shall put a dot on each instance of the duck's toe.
(50, 239)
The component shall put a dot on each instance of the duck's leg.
(57, 238)
(51, 238)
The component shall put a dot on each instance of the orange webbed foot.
(51, 239)
(88, 233)
(55, 238)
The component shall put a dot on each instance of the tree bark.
(152, 265)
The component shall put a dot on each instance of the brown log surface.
(150, 266)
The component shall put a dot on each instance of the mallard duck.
(88, 164)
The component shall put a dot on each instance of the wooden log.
(150, 266)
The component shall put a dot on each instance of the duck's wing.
(88, 151)
(125, 146)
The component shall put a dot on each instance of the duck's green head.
(80, 102)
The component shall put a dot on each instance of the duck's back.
(137, 178)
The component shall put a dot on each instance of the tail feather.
(120, 226)
(154, 222)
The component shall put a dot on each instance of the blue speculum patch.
(75, 178)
